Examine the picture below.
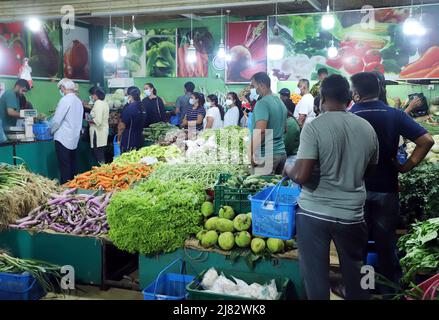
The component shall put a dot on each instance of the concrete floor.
(94, 293)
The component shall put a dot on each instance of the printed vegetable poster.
(378, 44)
(135, 59)
(44, 49)
(12, 48)
(76, 45)
(247, 43)
(160, 47)
(204, 44)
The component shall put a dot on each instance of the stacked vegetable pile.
(419, 196)
(156, 216)
(252, 183)
(206, 175)
(155, 151)
(21, 191)
(421, 248)
(157, 131)
(48, 275)
(433, 155)
(110, 177)
(70, 213)
(229, 231)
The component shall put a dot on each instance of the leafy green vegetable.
(161, 53)
(154, 151)
(419, 197)
(158, 130)
(156, 216)
(421, 248)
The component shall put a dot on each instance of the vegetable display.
(158, 131)
(21, 191)
(253, 183)
(419, 195)
(110, 177)
(205, 175)
(421, 249)
(155, 151)
(433, 155)
(156, 216)
(69, 213)
(48, 275)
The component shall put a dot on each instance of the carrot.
(433, 73)
(418, 74)
(430, 57)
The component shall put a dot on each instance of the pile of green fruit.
(252, 183)
(228, 231)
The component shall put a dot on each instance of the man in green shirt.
(292, 137)
(269, 124)
(10, 103)
(337, 150)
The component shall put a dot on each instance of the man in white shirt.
(66, 127)
(304, 112)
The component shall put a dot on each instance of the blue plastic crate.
(274, 210)
(20, 287)
(116, 147)
(42, 131)
(169, 286)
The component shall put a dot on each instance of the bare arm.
(302, 170)
(301, 120)
(12, 113)
(120, 129)
(209, 122)
(423, 145)
(256, 143)
(413, 104)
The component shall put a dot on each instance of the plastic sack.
(209, 278)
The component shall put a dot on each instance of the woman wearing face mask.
(215, 113)
(130, 129)
(195, 116)
(153, 105)
(99, 124)
(234, 112)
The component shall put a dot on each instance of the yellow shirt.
(100, 114)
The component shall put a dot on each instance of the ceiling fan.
(134, 34)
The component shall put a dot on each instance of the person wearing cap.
(66, 128)
(285, 96)
(322, 73)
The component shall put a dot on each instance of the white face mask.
(208, 104)
(253, 94)
(297, 91)
(147, 92)
(191, 101)
(229, 102)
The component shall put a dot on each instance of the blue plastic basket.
(42, 131)
(20, 287)
(372, 256)
(274, 210)
(116, 147)
(169, 286)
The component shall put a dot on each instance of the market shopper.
(182, 104)
(194, 116)
(336, 151)
(215, 113)
(322, 74)
(269, 124)
(130, 128)
(285, 96)
(304, 112)
(10, 103)
(153, 105)
(234, 111)
(382, 204)
(99, 125)
(66, 127)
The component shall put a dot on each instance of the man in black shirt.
(285, 95)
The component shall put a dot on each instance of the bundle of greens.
(158, 131)
(156, 216)
(48, 275)
(206, 175)
(154, 151)
(21, 191)
(421, 248)
(419, 197)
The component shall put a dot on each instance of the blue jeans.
(382, 216)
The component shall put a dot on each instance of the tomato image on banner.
(382, 46)
(12, 48)
(76, 53)
(246, 43)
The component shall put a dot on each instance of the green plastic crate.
(233, 197)
(197, 293)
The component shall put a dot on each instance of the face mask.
(229, 102)
(208, 104)
(297, 91)
(253, 94)
(147, 92)
(125, 100)
(61, 93)
(191, 101)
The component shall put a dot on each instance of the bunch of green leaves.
(419, 197)
(48, 275)
(155, 151)
(155, 217)
(157, 131)
(135, 52)
(161, 53)
(421, 248)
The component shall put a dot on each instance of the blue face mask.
(61, 93)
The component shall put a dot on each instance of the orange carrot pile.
(110, 177)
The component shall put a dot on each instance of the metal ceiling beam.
(190, 15)
(315, 4)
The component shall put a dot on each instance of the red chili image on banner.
(247, 46)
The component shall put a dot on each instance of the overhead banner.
(369, 40)
(246, 44)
